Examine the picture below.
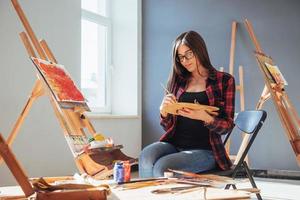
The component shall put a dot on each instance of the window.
(96, 54)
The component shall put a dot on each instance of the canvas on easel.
(59, 82)
(276, 74)
(69, 106)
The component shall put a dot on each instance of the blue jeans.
(156, 158)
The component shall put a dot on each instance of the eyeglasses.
(188, 55)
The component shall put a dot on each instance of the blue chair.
(249, 122)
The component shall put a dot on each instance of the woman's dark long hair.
(179, 75)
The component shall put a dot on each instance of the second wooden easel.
(284, 107)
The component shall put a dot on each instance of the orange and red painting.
(59, 81)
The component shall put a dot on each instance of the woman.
(192, 141)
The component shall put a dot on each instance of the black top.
(190, 133)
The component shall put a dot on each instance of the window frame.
(107, 22)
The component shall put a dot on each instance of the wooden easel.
(240, 86)
(284, 107)
(72, 117)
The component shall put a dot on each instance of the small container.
(127, 171)
(118, 172)
(168, 174)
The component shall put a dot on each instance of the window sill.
(94, 115)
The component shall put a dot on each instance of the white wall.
(125, 49)
(40, 146)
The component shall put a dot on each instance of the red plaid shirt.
(220, 90)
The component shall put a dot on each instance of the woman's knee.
(158, 170)
(154, 151)
(146, 156)
(162, 165)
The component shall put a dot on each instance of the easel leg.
(36, 92)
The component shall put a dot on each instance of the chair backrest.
(249, 122)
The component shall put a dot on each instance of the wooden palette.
(173, 108)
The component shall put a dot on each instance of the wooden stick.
(176, 190)
(142, 180)
(75, 117)
(242, 148)
(137, 185)
(15, 167)
(231, 68)
(242, 94)
(36, 92)
(27, 44)
(265, 95)
(232, 47)
(242, 106)
(59, 114)
(28, 29)
(252, 36)
(48, 52)
(88, 124)
(287, 100)
(73, 123)
(201, 176)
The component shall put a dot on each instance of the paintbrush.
(143, 180)
(174, 190)
(205, 177)
(167, 91)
